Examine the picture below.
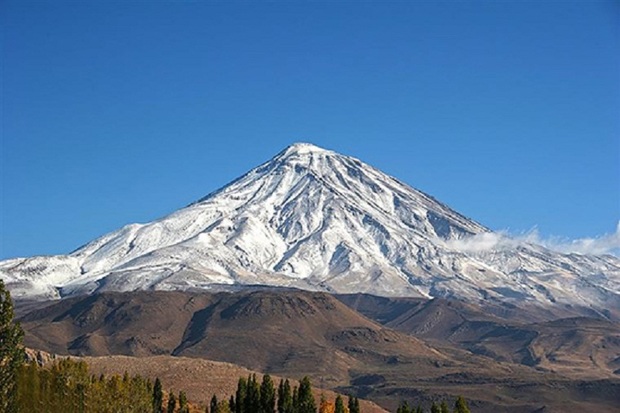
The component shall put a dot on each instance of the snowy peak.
(303, 148)
(314, 219)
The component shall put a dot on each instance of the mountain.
(313, 219)
(581, 347)
(297, 333)
(290, 333)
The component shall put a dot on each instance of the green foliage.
(402, 408)
(172, 403)
(242, 390)
(354, 405)
(183, 407)
(339, 405)
(252, 397)
(213, 404)
(267, 395)
(285, 397)
(66, 386)
(305, 398)
(158, 397)
(11, 353)
(231, 404)
(460, 406)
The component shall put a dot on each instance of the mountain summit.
(313, 219)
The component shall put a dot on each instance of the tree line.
(460, 406)
(254, 397)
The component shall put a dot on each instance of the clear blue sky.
(115, 113)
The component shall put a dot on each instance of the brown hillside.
(294, 333)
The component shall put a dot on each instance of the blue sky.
(114, 113)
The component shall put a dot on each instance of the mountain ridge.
(313, 219)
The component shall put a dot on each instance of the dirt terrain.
(424, 351)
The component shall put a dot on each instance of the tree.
(339, 408)
(402, 408)
(242, 389)
(305, 399)
(444, 407)
(214, 404)
(354, 405)
(435, 408)
(460, 406)
(326, 406)
(252, 397)
(11, 352)
(267, 395)
(285, 398)
(183, 407)
(158, 397)
(172, 403)
(231, 404)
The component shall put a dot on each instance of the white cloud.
(501, 240)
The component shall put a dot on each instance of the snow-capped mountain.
(314, 219)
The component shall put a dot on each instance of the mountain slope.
(291, 333)
(297, 333)
(314, 219)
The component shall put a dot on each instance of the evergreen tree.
(460, 406)
(242, 389)
(403, 408)
(305, 398)
(419, 409)
(183, 407)
(280, 400)
(252, 397)
(339, 405)
(354, 405)
(172, 403)
(285, 398)
(158, 397)
(435, 408)
(231, 404)
(11, 352)
(267, 395)
(444, 407)
(214, 404)
(295, 408)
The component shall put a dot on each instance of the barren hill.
(295, 333)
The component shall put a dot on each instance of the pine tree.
(158, 397)
(231, 404)
(252, 397)
(285, 398)
(403, 408)
(339, 405)
(435, 408)
(444, 407)
(295, 408)
(460, 406)
(183, 407)
(354, 405)
(213, 404)
(11, 352)
(267, 395)
(305, 399)
(172, 403)
(242, 389)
